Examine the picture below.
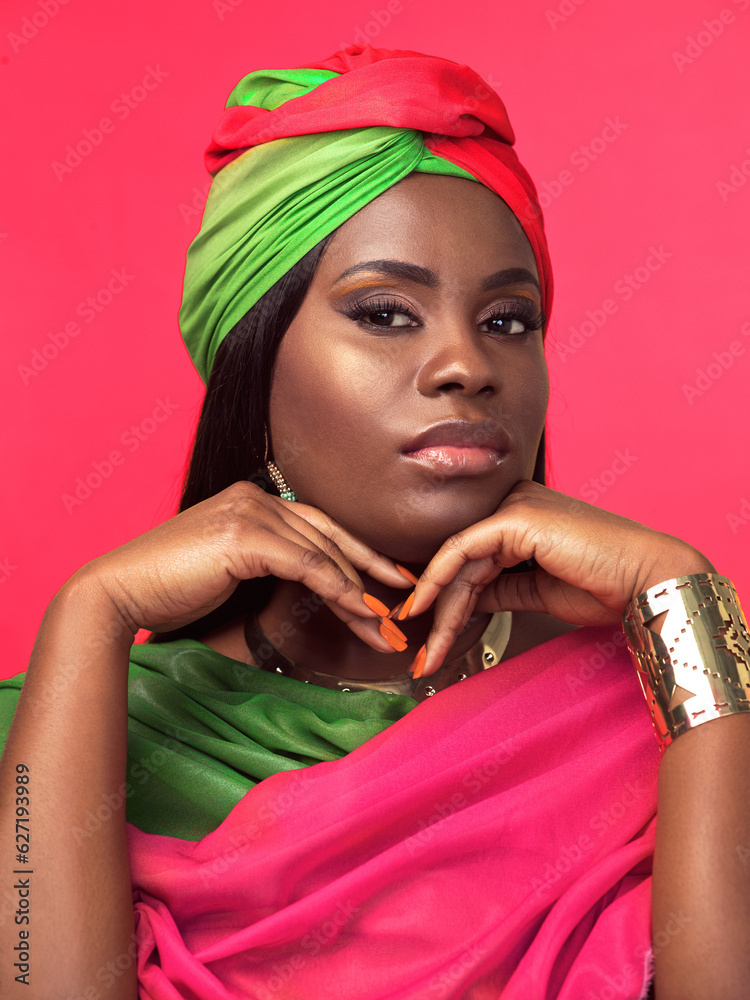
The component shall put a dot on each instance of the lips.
(462, 434)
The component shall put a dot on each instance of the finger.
(540, 591)
(359, 553)
(513, 592)
(476, 544)
(311, 526)
(453, 608)
(291, 555)
(306, 528)
(370, 631)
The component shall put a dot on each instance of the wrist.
(680, 560)
(85, 600)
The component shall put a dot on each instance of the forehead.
(436, 221)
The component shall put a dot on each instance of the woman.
(367, 302)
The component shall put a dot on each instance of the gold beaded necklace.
(486, 653)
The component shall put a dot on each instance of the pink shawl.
(496, 841)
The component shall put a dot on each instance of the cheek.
(320, 397)
(525, 388)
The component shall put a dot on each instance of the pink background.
(622, 432)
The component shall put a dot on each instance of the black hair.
(229, 442)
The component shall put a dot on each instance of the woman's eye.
(384, 317)
(386, 314)
(505, 324)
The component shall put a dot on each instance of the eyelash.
(523, 310)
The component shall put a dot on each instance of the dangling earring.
(278, 480)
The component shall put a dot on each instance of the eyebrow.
(423, 276)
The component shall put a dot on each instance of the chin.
(416, 537)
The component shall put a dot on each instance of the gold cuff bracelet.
(690, 644)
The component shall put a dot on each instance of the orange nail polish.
(375, 604)
(387, 623)
(405, 572)
(394, 640)
(418, 663)
(395, 611)
(406, 606)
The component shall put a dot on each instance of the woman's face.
(379, 355)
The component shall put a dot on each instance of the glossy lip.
(455, 461)
(467, 435)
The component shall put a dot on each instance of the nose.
(458, 358)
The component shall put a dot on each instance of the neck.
(304, 629)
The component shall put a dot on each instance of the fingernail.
(392, 639)
(418, 663)
(375, 605)
(387, 623)
(406, 606)
(409, 576)
(394, 612)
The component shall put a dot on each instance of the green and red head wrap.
(298, 151)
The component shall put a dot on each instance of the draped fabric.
(496, 840)
(203, 729)
(493, 841)
(298, 151)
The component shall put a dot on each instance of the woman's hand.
(189, 565)
(592, 564)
